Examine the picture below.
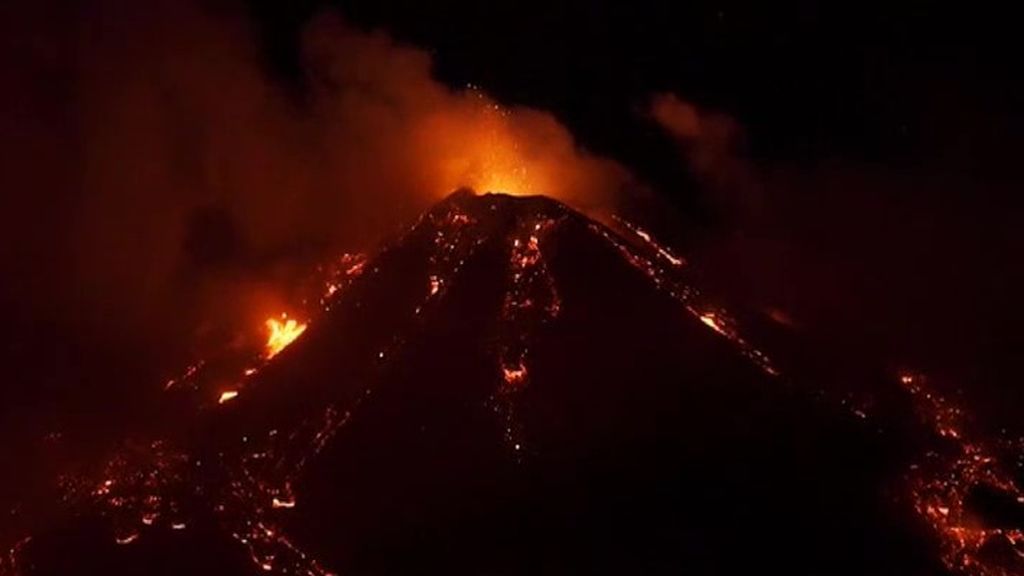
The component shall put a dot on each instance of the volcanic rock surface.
(513, 388)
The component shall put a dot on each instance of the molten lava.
(710, 321)
(281, 333)
(145, 489)
(227, 396)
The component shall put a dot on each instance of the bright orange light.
(487, 149)
(712, 322)
(281, 333)
(277, 503)
(515, 376)
(227, 395)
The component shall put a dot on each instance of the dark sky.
(881, 82)
(865, 182)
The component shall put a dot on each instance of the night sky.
(856, 170)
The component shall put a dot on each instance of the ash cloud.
(175, 182)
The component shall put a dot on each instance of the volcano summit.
(513, 388)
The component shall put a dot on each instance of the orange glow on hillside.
(281, 333)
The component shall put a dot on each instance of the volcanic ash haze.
(511, 387)
(187, 182)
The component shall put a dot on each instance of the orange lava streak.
(278, 503)
(227, 395)
(281, 333)
(709, 320)
(123, 540)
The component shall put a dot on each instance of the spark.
(662, 251)
(104, 488)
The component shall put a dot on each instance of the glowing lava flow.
(663, 268)
(663, 252)
(709, 320)
(282, 333)
(227, 396)
(531, 299)
(150, 487)
(144, 489)
(940, 486)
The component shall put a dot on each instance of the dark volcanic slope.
(512, 388)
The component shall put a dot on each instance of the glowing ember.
(227, 396)
(940, 484)
(189, 373)
(495, 162)
(127, 539)
(277, 503)
(515, 376)
(356, 264)
(709, 320)
(281, 333)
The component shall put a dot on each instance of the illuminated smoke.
(203, 186)
(709, 141)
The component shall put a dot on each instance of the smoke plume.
(183, 183)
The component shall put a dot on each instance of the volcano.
(511, 387)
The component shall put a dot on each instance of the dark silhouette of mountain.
(513, 388)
